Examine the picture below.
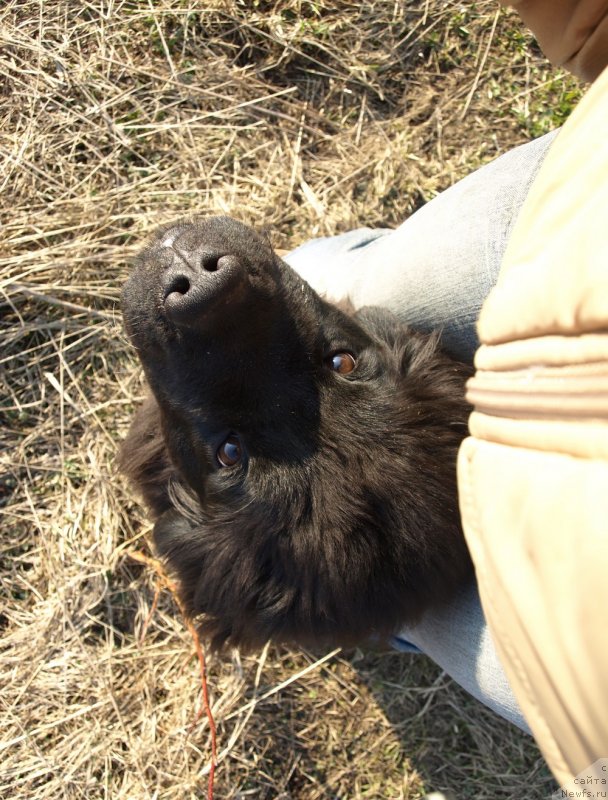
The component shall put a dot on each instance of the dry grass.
(304, 117)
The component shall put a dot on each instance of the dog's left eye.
(342, 363)
(230, 451)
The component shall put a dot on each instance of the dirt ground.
(302, 118)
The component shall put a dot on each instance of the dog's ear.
(143, 458)
(172, 532)
(383, 325)
(176, 544)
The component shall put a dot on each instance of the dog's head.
(300, 459)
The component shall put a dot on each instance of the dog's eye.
(342, 363)
(230, 451)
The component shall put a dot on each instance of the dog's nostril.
(179, 284)
(210, 263)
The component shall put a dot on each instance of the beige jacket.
(572, 33)
(533, 476)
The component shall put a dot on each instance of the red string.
(206, 705)
(170, 585)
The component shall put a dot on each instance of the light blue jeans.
(435, 271)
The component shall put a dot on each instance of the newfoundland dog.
(298, 457)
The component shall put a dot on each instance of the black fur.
(341, 522)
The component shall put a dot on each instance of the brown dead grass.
(303, 117)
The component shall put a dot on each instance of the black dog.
(299, 459)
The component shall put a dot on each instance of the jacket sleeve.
(534, 472)
(572, 33)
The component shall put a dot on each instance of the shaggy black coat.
(299, 459)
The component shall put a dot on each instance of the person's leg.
(435, 271)
(458, 640)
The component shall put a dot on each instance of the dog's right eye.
(342, 363)
(230, 451)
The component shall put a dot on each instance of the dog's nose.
(197, 281)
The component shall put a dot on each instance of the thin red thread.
(200, 653)
(206, 705)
